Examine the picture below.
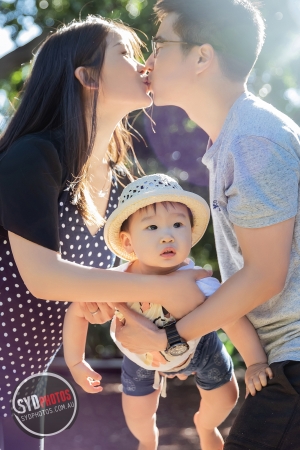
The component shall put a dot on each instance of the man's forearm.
(243, 292)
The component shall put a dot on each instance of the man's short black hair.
(235, 28)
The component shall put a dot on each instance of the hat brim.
(197, 205)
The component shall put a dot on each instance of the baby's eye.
(177, 225)
(152, 227)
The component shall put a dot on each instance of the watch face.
(178, 349)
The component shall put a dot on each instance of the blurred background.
(177, 146)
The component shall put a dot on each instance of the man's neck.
(215, 106)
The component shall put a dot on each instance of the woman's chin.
(142, 105)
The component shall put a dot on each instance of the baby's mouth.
(168, 251)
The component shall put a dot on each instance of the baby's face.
(160, 238)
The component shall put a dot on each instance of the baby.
(154, 228)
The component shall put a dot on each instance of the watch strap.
(172, 334)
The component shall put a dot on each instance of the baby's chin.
(163, 267)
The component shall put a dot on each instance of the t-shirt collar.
(213, 147)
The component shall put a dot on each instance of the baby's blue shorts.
(211, 363)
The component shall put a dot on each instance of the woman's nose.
(149, 64)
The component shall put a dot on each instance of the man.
(202, 56)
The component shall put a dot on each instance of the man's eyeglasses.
(155, 41)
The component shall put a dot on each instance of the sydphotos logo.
(44, 404)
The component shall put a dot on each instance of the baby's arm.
(245, 339)
(74, 338)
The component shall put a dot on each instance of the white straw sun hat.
(146, 191)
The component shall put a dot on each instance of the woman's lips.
(146, 82)
(147, 85)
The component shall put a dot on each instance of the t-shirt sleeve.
(208, 285)
(264, 187)
(30, 184)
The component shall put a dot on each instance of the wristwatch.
(176, 344)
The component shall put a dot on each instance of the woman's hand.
(86, 377)
(256, 377)
(97, 313)
(138, 334)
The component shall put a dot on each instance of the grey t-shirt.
(254, 182)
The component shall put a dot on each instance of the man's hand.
(138, 334)
(97, 313)
(86, 377)
(256, 377)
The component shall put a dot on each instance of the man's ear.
(85, 79)
(205, 55)
(126, 241)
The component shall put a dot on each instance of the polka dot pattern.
(31, 329)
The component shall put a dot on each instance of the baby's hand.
(86, 377)
(256, 377)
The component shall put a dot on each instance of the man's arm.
(266, 252)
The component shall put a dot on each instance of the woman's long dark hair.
(52, 98)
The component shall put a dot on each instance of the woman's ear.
(206, 54)
(126, 241)
(85, 79)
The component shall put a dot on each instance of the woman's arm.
(48, 276)
(74, 338)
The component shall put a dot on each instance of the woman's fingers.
(105, 313)
(97, 313)
(128, 313)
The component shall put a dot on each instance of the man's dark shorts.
(211, 365)
(271, 419)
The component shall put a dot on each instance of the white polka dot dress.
(31, 329)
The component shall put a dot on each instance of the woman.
(60, 159)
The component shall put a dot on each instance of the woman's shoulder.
(30, 152)
(38, 144)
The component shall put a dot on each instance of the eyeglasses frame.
(155, 41)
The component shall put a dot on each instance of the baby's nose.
(167, 239)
